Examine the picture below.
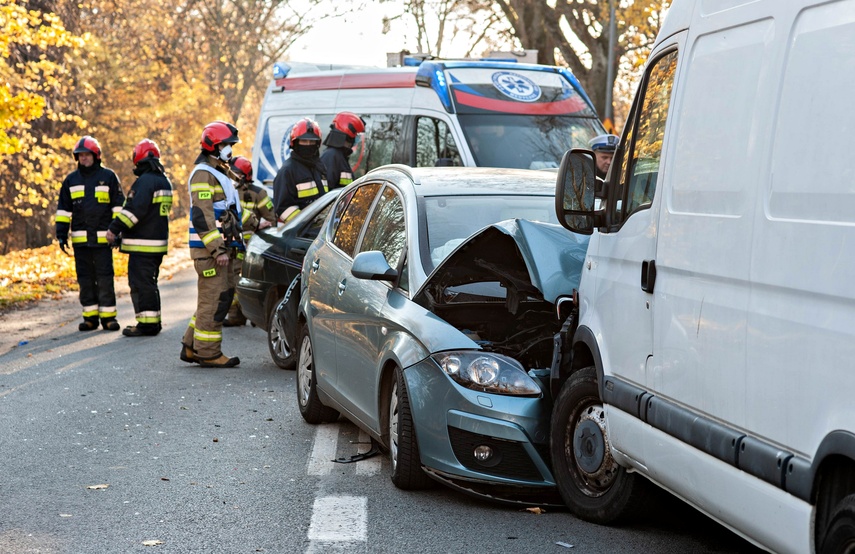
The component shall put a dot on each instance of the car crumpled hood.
(542, 260)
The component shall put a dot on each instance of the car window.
(385, 230)
(311, 230)
(383, 132)
(435, 145)
(352, 217)
(643, 142)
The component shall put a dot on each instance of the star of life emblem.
(513, 85)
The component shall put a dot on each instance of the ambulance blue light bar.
(281, 70)
(432, 74)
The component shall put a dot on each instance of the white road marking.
(369, 466)
(324, 449)
(339, 519)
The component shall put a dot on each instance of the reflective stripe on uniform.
(289, 213)
(107, 311)
(153, 246)
(211, 236)
(78, 237)
(63, 216)
(102, 237)
(148, 317)
(304, 190)
(207, 336)
(102, 194)
(128, 218)
(90, 311)
(77, 191)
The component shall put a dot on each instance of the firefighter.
(88, 200)
(339, 142)
(143, 225)
(214, 237)
(300, 180)
(256, 213)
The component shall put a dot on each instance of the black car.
(274, 257)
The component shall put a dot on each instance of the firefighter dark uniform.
(337, 167)
(340, 140)
(214, 233)
(255, 207)
(88, 200)
(300, 180)
(143, 225)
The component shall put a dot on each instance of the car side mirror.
(372, 265)
(576, 190)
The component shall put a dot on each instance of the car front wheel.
(590, 481)
(311, 408)
(407, 472)
(283, 351)
(840, 533)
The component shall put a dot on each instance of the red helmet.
(306, 129)
(87, 144)
(348, 123)
(146, 149)
(241, 167)
(218, 132)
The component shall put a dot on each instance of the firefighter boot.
(221, 361)
(237, 321)
(188, 354)
(88, 325)
(141, 330)
(110, 324)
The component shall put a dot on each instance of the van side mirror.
(575, 191)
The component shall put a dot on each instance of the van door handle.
(342, 285)
(648, 275)
(316, 263)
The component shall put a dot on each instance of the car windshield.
(449, 220)
(525, 141)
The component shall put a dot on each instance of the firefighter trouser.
(235, 313)
(215, 290)
(143, 270)
(94, 266)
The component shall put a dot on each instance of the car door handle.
(342, 285)
(648, 275)
(315, 265)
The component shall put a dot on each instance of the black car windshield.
(525, 141)
(449, 220)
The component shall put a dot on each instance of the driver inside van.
(604, 147)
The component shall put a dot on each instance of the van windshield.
(525, 141)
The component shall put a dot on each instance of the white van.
(468, 113)
(715, 348)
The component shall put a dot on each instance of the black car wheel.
(840, 533)
(311, 408)
(283, 349)
(407, 472)
(590, 481)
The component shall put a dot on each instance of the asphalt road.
(110, 444)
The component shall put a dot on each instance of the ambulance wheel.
(840, 533)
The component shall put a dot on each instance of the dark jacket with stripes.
(88, 200)
(144, 219)
(296, 186)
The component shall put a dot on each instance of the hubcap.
(590, 450)
(278, 340)
(304, 371)
(393, 426)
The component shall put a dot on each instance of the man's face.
(306, 142)
(86, 159)
(604, 160)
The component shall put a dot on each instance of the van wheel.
(840, 533)
(311, 408)
(282, 348)
(590, 481)
(407, 472)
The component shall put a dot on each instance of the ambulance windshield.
(525, 141)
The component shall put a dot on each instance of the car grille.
(509, 459)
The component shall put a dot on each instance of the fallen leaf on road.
(216, 439)
(152, 543)
(164, 478)
(97, 487)
(536, 510)
(564, 544)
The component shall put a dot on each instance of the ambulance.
(432, 113)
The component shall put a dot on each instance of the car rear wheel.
(282, 348)
(407, 472)
(590, 481)
(311, 408)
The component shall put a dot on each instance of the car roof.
(468, 181)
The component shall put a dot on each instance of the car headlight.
(487, 372)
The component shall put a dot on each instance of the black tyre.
(407, 472)
(311, 408)
(840, 533)
(282, 347)
(592, 484)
